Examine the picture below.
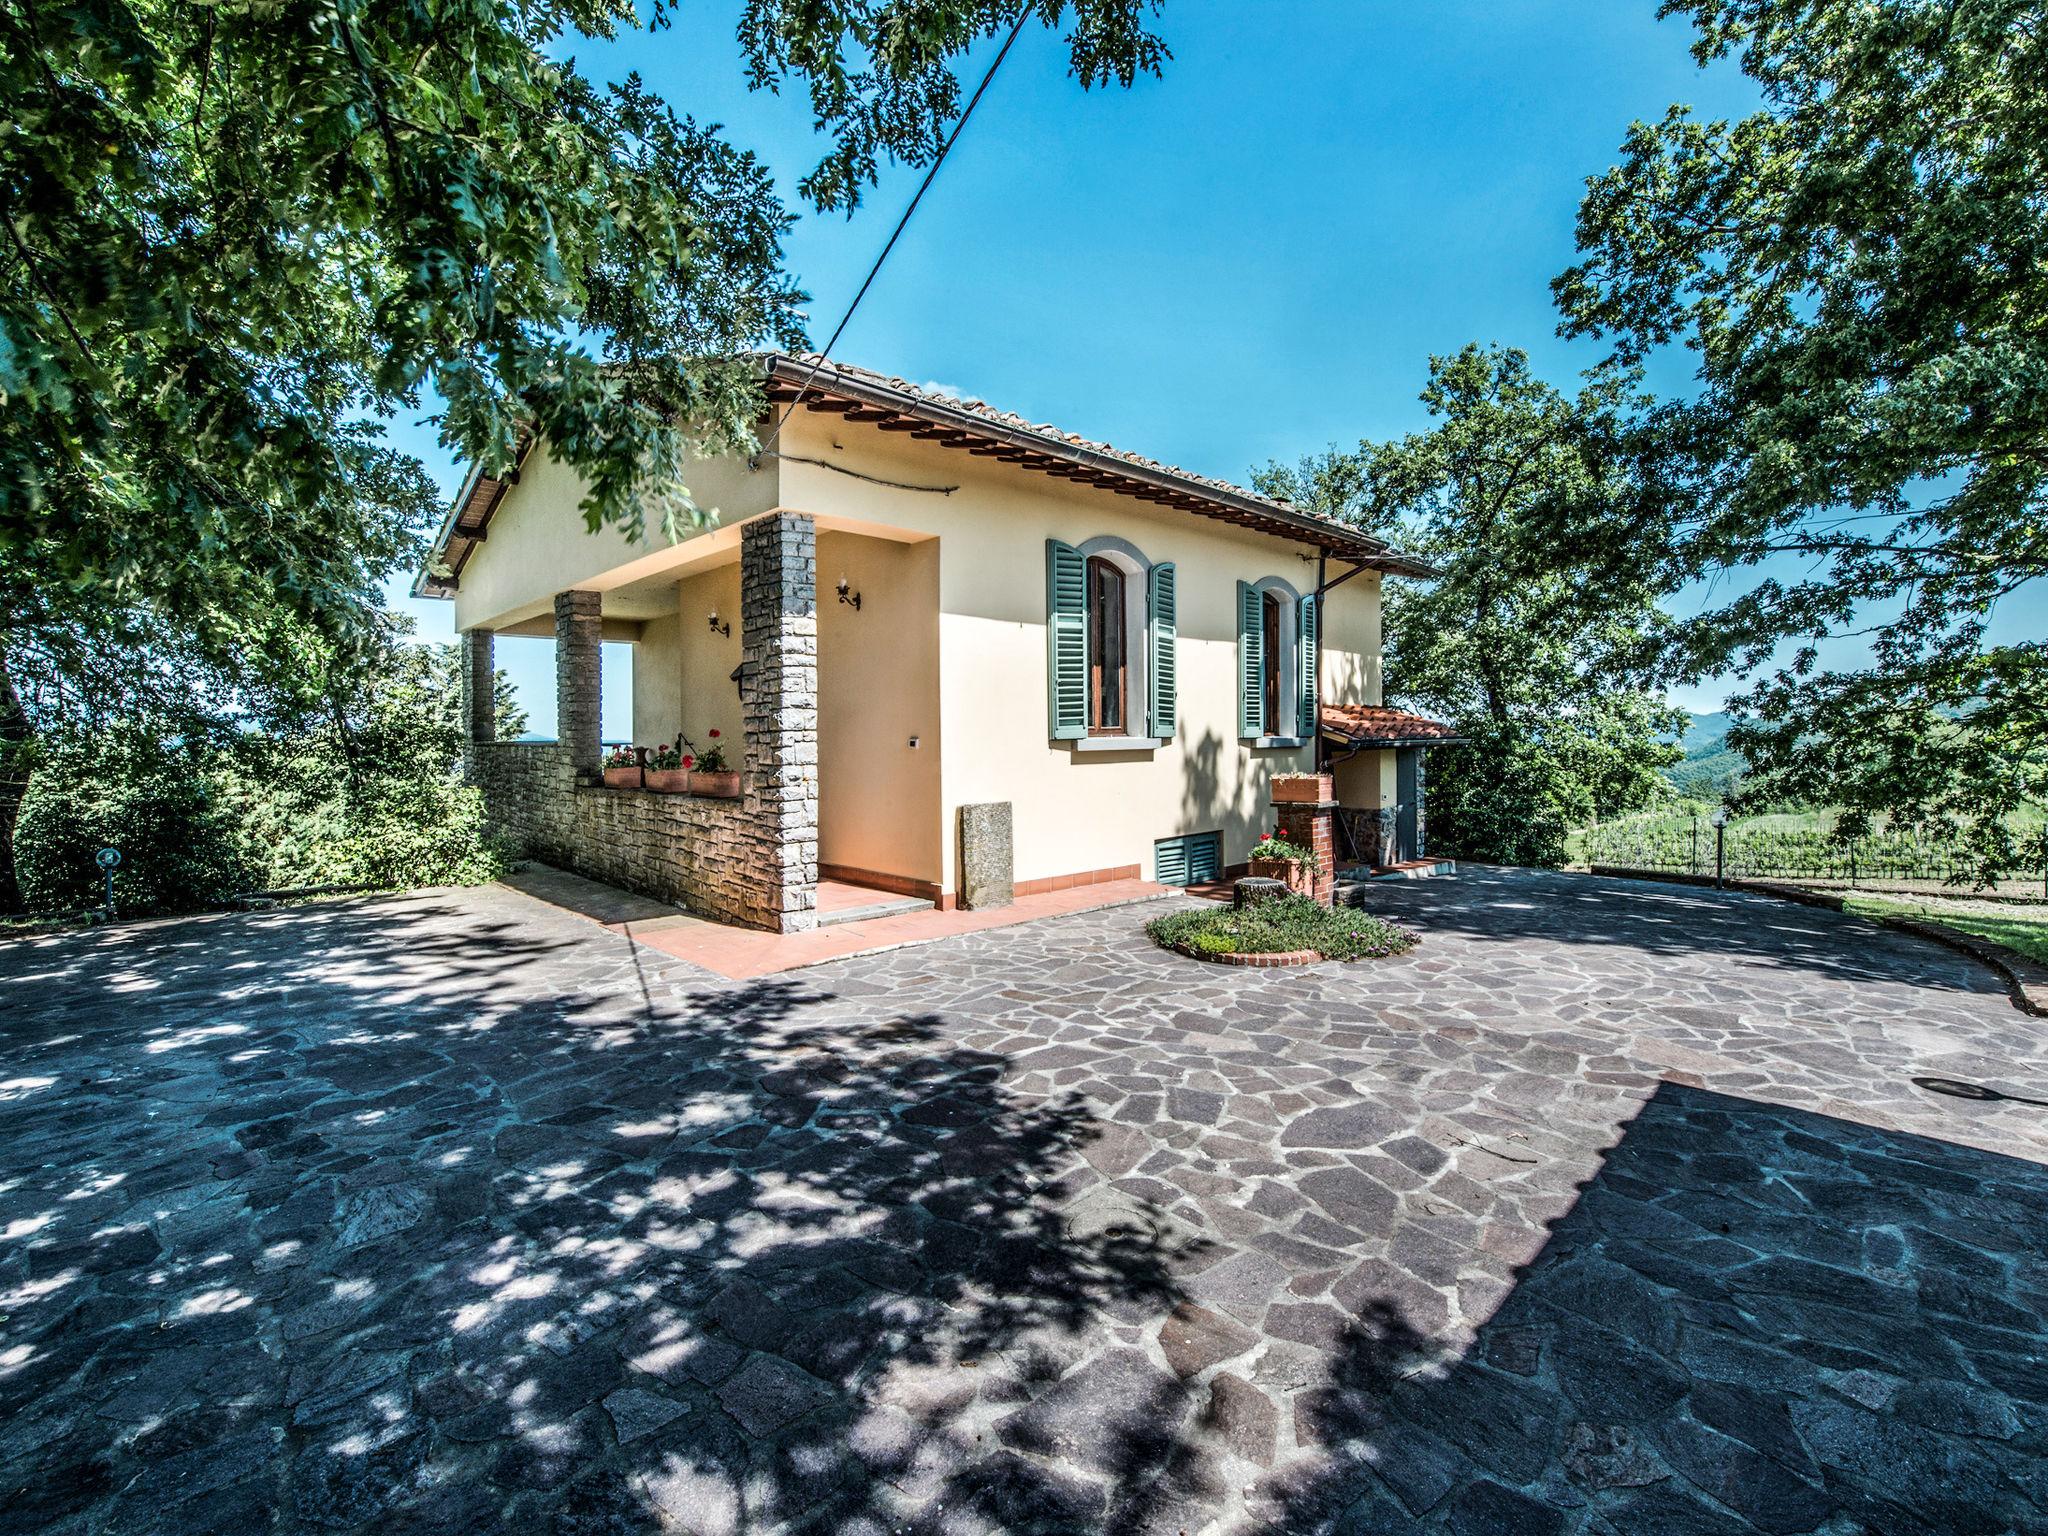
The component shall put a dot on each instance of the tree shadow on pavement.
(441, 1216)
(357, 1220)
(1643, 919)
(1754, 1319)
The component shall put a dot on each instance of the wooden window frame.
(1272, 608)
(1104, 574)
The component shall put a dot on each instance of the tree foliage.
(1861, 268)
(166, 808)
(362, 790)
(370, 793)
(240, 236)
(238, 233)
(1543, 667)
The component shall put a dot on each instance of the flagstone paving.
(1611, 1209)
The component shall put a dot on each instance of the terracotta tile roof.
(1034, 443)
(897, 405)
(1370, 725)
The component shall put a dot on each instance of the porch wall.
(878, 687)
(700, 852)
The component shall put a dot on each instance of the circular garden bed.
(1291, 930)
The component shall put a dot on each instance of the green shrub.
(1281, 927)
(400, 822)
(160, 807)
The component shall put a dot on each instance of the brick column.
(579, 632)
(1312, 824)
(779, 704)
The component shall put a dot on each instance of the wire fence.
(1683, 846)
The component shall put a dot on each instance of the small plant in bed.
(1281, 927)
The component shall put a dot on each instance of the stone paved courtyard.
(1611, 1209)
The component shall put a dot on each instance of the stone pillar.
(779, 704)
(1312, 824)
(987, 873)
(1421, 801)
(1377, 835)
(579, 635)
(479, 686)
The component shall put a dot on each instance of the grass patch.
(1279, 927)
(2024, 928)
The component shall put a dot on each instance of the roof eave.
(827, 378)
(1396, 741)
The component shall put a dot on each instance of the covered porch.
(1378, 759)
(801, 649)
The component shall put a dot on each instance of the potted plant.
(710, 775)
(622, 768)
(1274, 858)
(668, 768)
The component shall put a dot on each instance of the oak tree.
(1545, 664)
(1860, 268)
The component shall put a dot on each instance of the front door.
(1408, 795)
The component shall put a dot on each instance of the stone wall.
(753, 860)
(709, 855)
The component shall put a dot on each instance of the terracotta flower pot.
(1292, 872)
(1303, 788)
(669, 781)
(622, 778)
(716, 786)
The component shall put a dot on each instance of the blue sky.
(1250, 258)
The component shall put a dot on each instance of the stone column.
(579, 632)
(779, 704)
(1380, 836)
(1421, 801)
(479, 686)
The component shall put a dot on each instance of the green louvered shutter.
(1066, 641)
(1251, 661)
(1192, 859)
(1308, 647)
(1163, 674)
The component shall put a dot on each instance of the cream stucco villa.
(946, 646)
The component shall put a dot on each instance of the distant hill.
(1709, 768)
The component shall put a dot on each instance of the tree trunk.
(16, 737)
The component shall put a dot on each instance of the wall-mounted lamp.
(718, 628)
(851, 599)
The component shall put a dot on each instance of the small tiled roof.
(1370, 725)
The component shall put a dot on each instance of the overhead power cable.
(1023, 15)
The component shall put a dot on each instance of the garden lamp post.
(109, 860)
(1720, 844)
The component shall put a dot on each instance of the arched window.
(1272, 606)
(1277, 642)
(1108, 649)
(1110, 643)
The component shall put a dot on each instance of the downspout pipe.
(1322, 754)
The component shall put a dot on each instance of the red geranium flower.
(714, 733)
(688, 761)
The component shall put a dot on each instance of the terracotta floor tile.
(742, 955)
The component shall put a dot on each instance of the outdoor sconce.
(718, 628)
(852, 600)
